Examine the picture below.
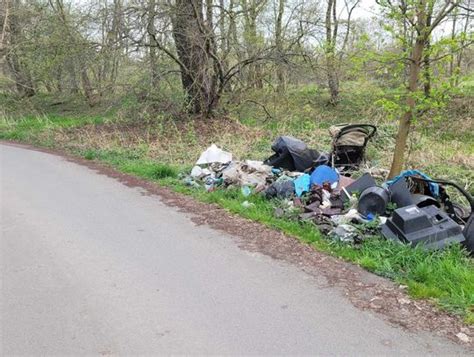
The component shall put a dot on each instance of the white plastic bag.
(214, 154)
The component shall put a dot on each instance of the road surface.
(90, 266)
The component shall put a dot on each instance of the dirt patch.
(364, 290)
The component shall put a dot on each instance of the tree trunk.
(330, 49)
(71, 62)
(452, 56)
(193, 52)
(279, 46)
(406, 119)
(251, 12)
(87, 87)
(456, 61)
(227, 31)
(427, 57)
(59, 80)
(333, 80)
(4, 15)
(23, 82)
(152, 49)
(115, 43)
(461, 51)
(427, 70)
(73, 82)
(222, 28)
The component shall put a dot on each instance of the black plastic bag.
(292, 154)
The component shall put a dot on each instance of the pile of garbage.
(411, 208)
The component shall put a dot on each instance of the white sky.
(366, 9)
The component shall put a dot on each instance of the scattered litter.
(424, 201)
(310, 186)
(433, 187)
(352, 216)
(286, 209)
(211, 183)
(324, 174)
(302, 184)
(404, 301)
(281, 189)
(359, 185)
(243, 174)
(377, 173)
(246, 191)
(374, 201)
(198, 172)
(322, 202)
(188, 181)
(400, 194)
(469, 233)
(292, 154)
(344, 181)
(345, 233)
(463, 337)
(247, 204)
(258, 166)
(428, 226)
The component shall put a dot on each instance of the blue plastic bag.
(302, 184)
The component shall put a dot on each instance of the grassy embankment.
(157, 146)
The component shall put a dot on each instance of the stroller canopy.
(348, 144)
(352, 135)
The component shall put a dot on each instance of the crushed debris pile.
(321, 187)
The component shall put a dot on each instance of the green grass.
(27, 128)
(159, 149)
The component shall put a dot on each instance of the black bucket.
(373, 200)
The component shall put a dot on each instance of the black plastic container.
(428, 226)
(373, 200)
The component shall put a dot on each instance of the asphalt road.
(90, 266)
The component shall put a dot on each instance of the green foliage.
(150, 170)
(29, 127)
(90, 154)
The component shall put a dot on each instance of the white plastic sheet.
(214, 154)
(198, 172)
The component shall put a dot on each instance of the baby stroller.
(348, 144)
